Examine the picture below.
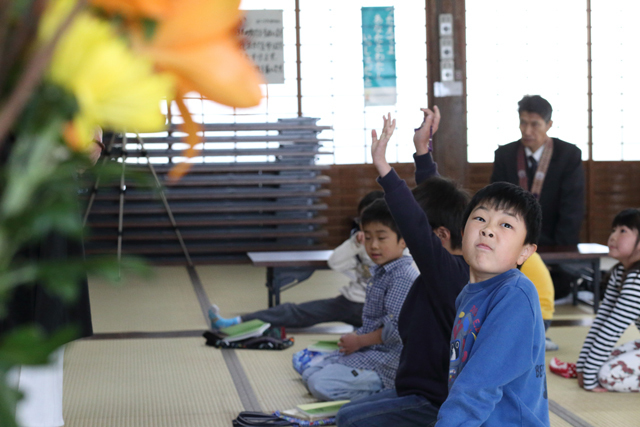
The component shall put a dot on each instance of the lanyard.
(541, 171)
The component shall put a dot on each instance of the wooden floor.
(148, 365)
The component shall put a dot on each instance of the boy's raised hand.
(429, 126)
(379, 146)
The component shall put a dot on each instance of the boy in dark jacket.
(431, 224)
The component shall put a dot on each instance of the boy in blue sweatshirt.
(497, 368)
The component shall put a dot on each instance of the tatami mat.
(573, 312)
(598, 409)
(276, 384)
(164, 302)
(150, 382)
(181, 382)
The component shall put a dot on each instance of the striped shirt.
(620, 308)
(385, 296)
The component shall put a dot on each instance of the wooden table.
(287, 269)
(576, 254)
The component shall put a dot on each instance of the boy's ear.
(402, 242)
(443, 234)
(527, 251)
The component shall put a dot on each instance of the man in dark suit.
(562, 187)
(556, 178)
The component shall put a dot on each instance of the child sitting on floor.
(535, 269)
(368, 359)
(601, 367)
(350, 259)
(496, 370)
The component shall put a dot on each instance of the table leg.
(596, 284)
(270, 290)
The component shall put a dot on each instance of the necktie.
(531, 170)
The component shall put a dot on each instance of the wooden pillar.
(590, 197)
(450, 143)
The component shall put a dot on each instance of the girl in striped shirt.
(601, 367)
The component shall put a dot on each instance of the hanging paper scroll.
(379, 56)
(262, 31)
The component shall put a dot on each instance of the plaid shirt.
(389, 287)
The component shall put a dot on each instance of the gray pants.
(289, 315)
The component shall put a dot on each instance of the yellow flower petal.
(114, 88)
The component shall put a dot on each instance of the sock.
(218, 322)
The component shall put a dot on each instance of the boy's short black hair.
(629, 218)
(536, 104)
(444, 202)
(378, 211)
(368, 199)
(504, 195)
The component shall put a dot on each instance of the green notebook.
(322, 409)
(244, 330)
(324, 346)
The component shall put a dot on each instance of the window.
(332, 76)
(616, 92)
(332, 87)
(525, 48)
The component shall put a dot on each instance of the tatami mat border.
(567, 415)
(241, 381)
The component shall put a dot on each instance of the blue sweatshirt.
(497, 367)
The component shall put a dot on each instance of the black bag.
(247, 418)
(263, 342)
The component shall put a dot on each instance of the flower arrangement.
(67, 69)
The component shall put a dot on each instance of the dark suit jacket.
(562, 197)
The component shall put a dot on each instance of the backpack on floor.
(247, 418)
(268, 341)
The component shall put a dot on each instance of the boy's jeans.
(334, 381)
(289, 315)
(386, 409)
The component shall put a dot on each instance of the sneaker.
(550, 345)
(564, 369)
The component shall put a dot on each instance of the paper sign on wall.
(379, 56)
(262, 31)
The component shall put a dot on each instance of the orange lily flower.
(199, 44)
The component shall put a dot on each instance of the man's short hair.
(378, 211)
(536, 104)
(507, 196)
(444, 202)
(369, 198)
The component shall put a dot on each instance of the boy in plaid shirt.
(368, 358)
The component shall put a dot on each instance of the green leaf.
(8, 399)
(19, 8)
(149, 28)
(109, 268)
(49, 103)
(28, 345)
